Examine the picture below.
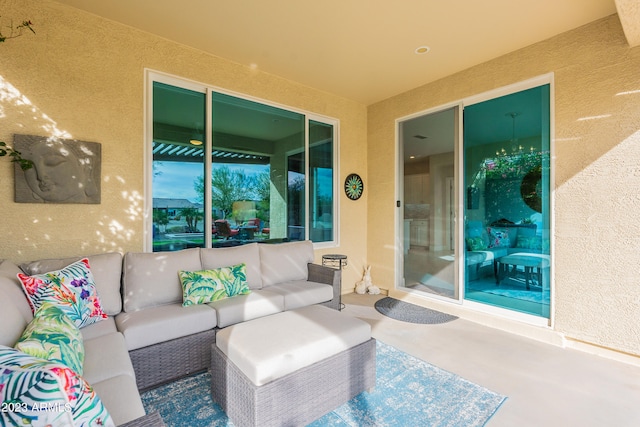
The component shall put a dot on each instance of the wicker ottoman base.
(297, 398)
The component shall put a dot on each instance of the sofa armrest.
(330, 276)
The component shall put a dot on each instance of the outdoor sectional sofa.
(487, 244)
(149, 337)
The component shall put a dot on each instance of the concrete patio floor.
(545, 385)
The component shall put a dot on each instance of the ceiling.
(363, 50)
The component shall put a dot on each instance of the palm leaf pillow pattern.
(52, 336)
(72, 289)
(37, 392)
(201, 287)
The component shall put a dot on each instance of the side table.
(336, 261)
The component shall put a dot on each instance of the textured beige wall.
(629, 13)
(597, 197)
(83, 76)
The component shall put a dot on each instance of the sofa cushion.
(284, 262)
(241, 308)
(485, 257)
(163, 323)
(53, 336)
(72, 289)
(120, 396)
(99, 329)
(263, 353)
(106, 357)
(31, 384)
(107, 272)
(475, 229)
(12, 323)
(200, 287)
(151, 279)
(301, 293)
(15, 312)
(222, 257)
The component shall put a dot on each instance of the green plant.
(16, 157)
(5, 150)
(191, 216)
(18, 28)
(161, 218)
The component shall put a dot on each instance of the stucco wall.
(82, 76)
(597, 177)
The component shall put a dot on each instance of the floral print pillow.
(201, 287)
(37, 392)
(71, 289)
(52, 336)
(498, 237)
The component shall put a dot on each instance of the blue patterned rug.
(409, 392)
(511, 288)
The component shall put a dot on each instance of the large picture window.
(227, 170)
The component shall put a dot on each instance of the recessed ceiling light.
(421, 50)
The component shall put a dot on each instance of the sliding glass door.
(429, 169)
(507, 201)
(476, 211)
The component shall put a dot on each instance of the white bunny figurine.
(371, 288)
(363, 285)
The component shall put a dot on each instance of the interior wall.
(82, 77)
(597, 152)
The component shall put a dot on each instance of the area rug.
(408, 392)
(412, 313)
(531, 296)
(510, 288)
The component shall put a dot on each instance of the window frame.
(152, 76)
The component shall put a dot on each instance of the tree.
(263, 193)
(161, 218)
(263, 186)
(191, 216)
(227, 187)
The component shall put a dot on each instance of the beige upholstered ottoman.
(291, 368)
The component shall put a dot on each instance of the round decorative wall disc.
(353, 186)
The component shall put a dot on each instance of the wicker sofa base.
(297, 398)
(167, 361)
(150, 420)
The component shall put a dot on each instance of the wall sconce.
(473, 198)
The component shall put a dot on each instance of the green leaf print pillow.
(53, 336)
(201, 287)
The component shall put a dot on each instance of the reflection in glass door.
(507, 201)
(428, 146)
